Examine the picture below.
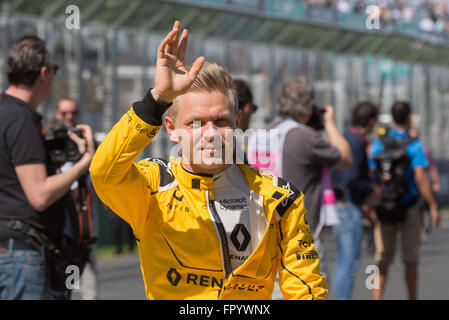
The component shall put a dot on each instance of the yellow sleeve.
(299, 270)
(120, 183)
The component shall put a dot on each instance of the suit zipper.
(227, 267)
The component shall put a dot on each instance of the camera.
(316, 120)
(59, 146)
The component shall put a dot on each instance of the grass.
(108, 251)
(105, 251)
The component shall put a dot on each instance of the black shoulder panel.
(288, 201)
(166, 176)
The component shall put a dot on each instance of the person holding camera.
(80, 228)
(301, 152)
(294, 147)
(31, 194)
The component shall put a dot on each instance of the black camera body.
(316, 120)
(59, 146)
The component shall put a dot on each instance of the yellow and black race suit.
(183, 250)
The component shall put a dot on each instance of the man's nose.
(209, 131)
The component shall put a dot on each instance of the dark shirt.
(355, 181)
(22, 142)
(305, 154)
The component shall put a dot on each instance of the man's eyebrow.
(218, 116)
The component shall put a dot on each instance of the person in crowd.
(404, 216)
(246, 105)
(294, 147)
(246, 109)
(301, 151)
(434, 177)
(68, 113)
(119, 225)
(356, 189)
(206, 228)
(32, 196)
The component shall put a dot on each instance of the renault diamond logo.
(239, 232)
(173, 277)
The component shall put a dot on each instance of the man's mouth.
(208, 148)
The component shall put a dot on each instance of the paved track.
(120, 277)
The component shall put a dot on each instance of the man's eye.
(222, 122)
(194, 124)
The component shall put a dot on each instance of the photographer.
(299, 151)
(31, 195)
(302, 152)
(78, 243)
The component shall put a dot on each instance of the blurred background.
(352, 50)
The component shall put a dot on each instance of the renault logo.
(239, 232)
(173, 277)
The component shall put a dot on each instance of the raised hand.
(172, 77)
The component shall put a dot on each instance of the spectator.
(432, 170)
(406, 213)
(246, 104)
(118, 226)
(296, 149)
(246, 108)
(301, 152)
(67, 112)
(31, 194)
(358, 189)
(344, 6)
(434, 178)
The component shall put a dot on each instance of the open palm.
(172, 76)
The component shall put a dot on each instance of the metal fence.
(107, 69)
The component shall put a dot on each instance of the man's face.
(67, 112)
(203, 125)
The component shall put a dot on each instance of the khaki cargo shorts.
(385, 238)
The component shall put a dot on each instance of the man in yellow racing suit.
(205, 229)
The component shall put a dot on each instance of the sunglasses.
(54, 68)
(74, 113)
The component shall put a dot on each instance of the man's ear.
(237, 119)
(44, 74)
(169, 124)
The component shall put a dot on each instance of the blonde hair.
(212, 77)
